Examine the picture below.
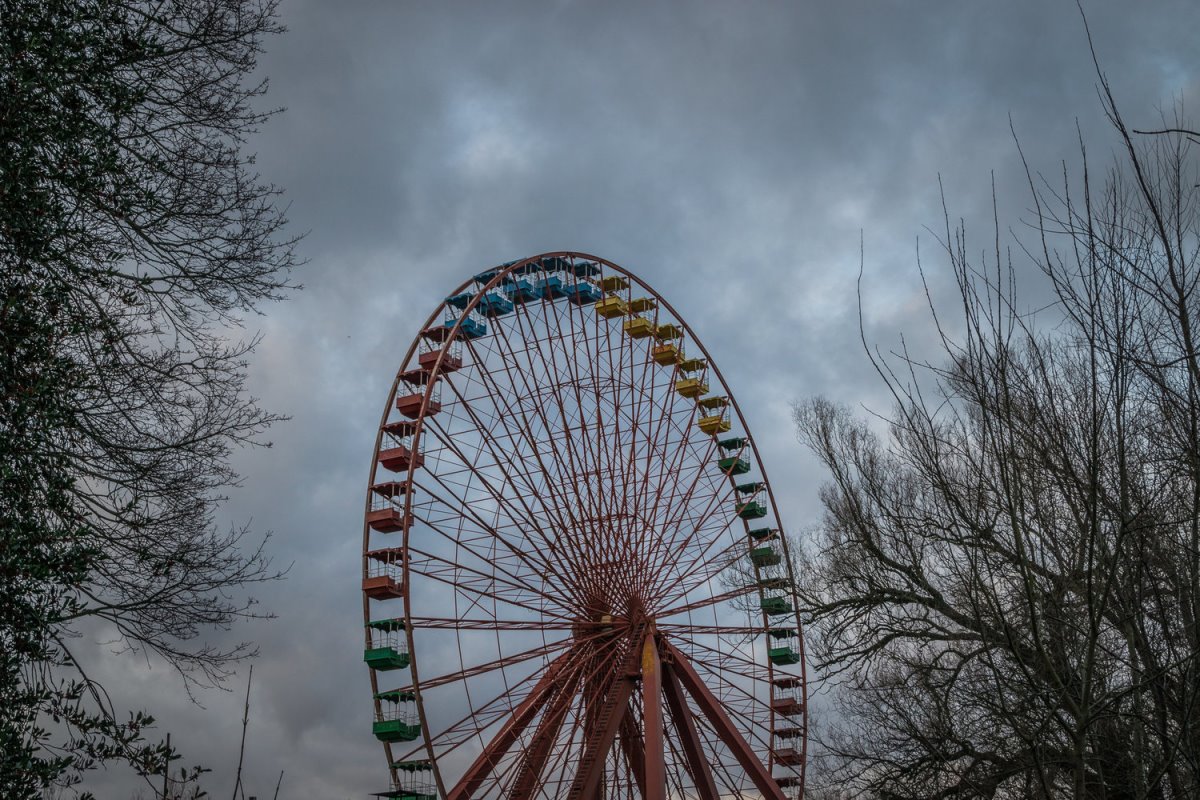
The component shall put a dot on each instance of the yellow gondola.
(690, 387)
(611, 307)
(665, 354)
(713, 425)
(639, 327)
(614, 283)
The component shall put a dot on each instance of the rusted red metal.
(381, 587)
(449, 363)
(652, 722)
(387, 520)
(724, 727)
(400, 459)
(693, 750)
(510, 732)
(410, 405)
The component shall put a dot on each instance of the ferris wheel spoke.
(450, 573)
(491, 624)
(715, 661)
(722, 725)
(685, 726)
(490, 666)
(525, 432)
(740, 591)
(601, 502)
(703, 569)
(538, 749)
(516, 724)
(482, 716)
(512, 465)
(540, 567)
(680, 629)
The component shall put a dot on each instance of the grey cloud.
(728, 153)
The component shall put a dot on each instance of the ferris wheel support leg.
(610, 711)
(543, 740)
(723, 726)
(633, 747)
(693, 750)
(512, 730)
(652, 721)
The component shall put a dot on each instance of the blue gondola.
(584, 293)
(520, 291)
(555, 264)
(460, 301)
(471, 328)
(495, 305)
(551, 288)
(585, 269)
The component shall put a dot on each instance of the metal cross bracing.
(583, 611)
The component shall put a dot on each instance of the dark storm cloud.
(730, 153)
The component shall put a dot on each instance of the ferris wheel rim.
(495, 281)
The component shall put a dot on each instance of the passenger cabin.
(693, 364)
(410, 398)
(614, 283)
(713, 403)
(639, 327)
(585, 269)
(550, 287)
(638, 305)
(395, 717)
(521, 291)
(786, 697)
(775, 605)
(763, 534)
(691, 387)
(387, 646)
(581, 294)
(411, 405)
(385, 512)
(611, 307)
(764, 556)
(733, 465)
(713, 425)
(395, 450)
(414, 783)
(495, 305)
(450, 362)
(555, 264)
(470, 328)
(751, 509)
(668, 332)
(666, 354)
(789, 756)
(783, 656)
(383, 574)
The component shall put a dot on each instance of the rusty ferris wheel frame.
(594, 597)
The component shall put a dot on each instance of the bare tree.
(1005, 591)
(134, 235)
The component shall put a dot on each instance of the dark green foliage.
(132, 234)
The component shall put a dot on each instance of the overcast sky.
(729, 153)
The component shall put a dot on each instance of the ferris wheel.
(574, 582)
